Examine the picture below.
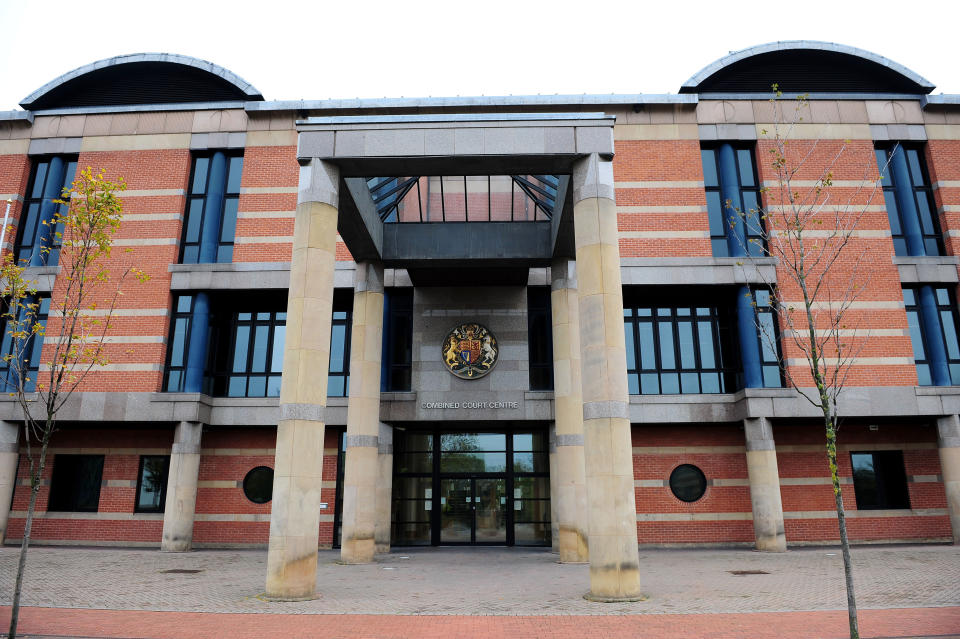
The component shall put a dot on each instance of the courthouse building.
(518, 320)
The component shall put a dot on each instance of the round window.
(688, 482)
(258, 485)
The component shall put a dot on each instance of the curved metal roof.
(885, 71)
(142, 78)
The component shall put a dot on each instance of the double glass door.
(473, 510)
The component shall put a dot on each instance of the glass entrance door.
(473, 510)
(474, 487)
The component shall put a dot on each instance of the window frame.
(539, 309)
(203, 196)
(755, 243)
(881, 467)
(137, 507)
(57, 480)
(925, 190)
(35, 351)
(398, 311)
(725, 352)
(763, 341)
(52, 258)
(953, 363)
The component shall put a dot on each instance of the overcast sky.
(353, 48)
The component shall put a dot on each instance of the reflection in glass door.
(490, 505)
(456, 511)
(473, 511)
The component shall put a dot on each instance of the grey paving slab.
(486, 581)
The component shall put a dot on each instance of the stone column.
(554, 490)
(612, 521)
(180, 505)
(381, 531)
(298, 467)
(570, 486)
(764, 485)
(948, 436)
(358, 542)
(9, 455)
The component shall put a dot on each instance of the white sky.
(369, 48)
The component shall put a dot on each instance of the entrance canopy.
(445, 192)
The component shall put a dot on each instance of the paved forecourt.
(104, 592)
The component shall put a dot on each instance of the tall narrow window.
(32, 310)
(338, 376)
(398, 340)
(678, 347)
(540, 338)
(179, 343)
(731, 184)
(211, 216)
(75, 484)
(908, 199)
(932, 319)
(769, 336)
(37, 242)
(152, 483)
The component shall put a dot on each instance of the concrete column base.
(9, 457)
(181, 502)
(764, 479)
(948, 437)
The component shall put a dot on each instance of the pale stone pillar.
(612, 521)
(298, 467)
(554, 473)
(9, 455)
(181, 503)
(764, 485)
(381, 532)
(948, 436)
(570, 485)
(358, 543)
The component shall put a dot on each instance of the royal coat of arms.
(470, 351)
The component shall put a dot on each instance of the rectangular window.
(338, 376)
(179, 343)
(75, 485)
(398, 342)
(741, 190)
(540, 337)
(942, 339)
(37, 243)
(879, 480)
(908, 198)
(152, 483)
(246, 344)
(675, 347)
(210, 220)
(31, 310)
(769, 335)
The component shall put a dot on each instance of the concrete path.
(902, 591)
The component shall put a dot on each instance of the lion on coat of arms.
(470, 351)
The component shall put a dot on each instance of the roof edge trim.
(173, 58)
(788, 45)
(472, 101)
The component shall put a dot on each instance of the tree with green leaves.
(53, 344)
(812, 225)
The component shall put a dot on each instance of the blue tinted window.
(675, 349)
(210, 221)
(909, 182)
(926, 346)
(37, 243)
(744, 196)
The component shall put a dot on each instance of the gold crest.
(470, 351)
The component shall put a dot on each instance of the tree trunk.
(842, 522)
(35, 479)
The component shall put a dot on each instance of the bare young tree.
(811, 226)
(69, 328)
